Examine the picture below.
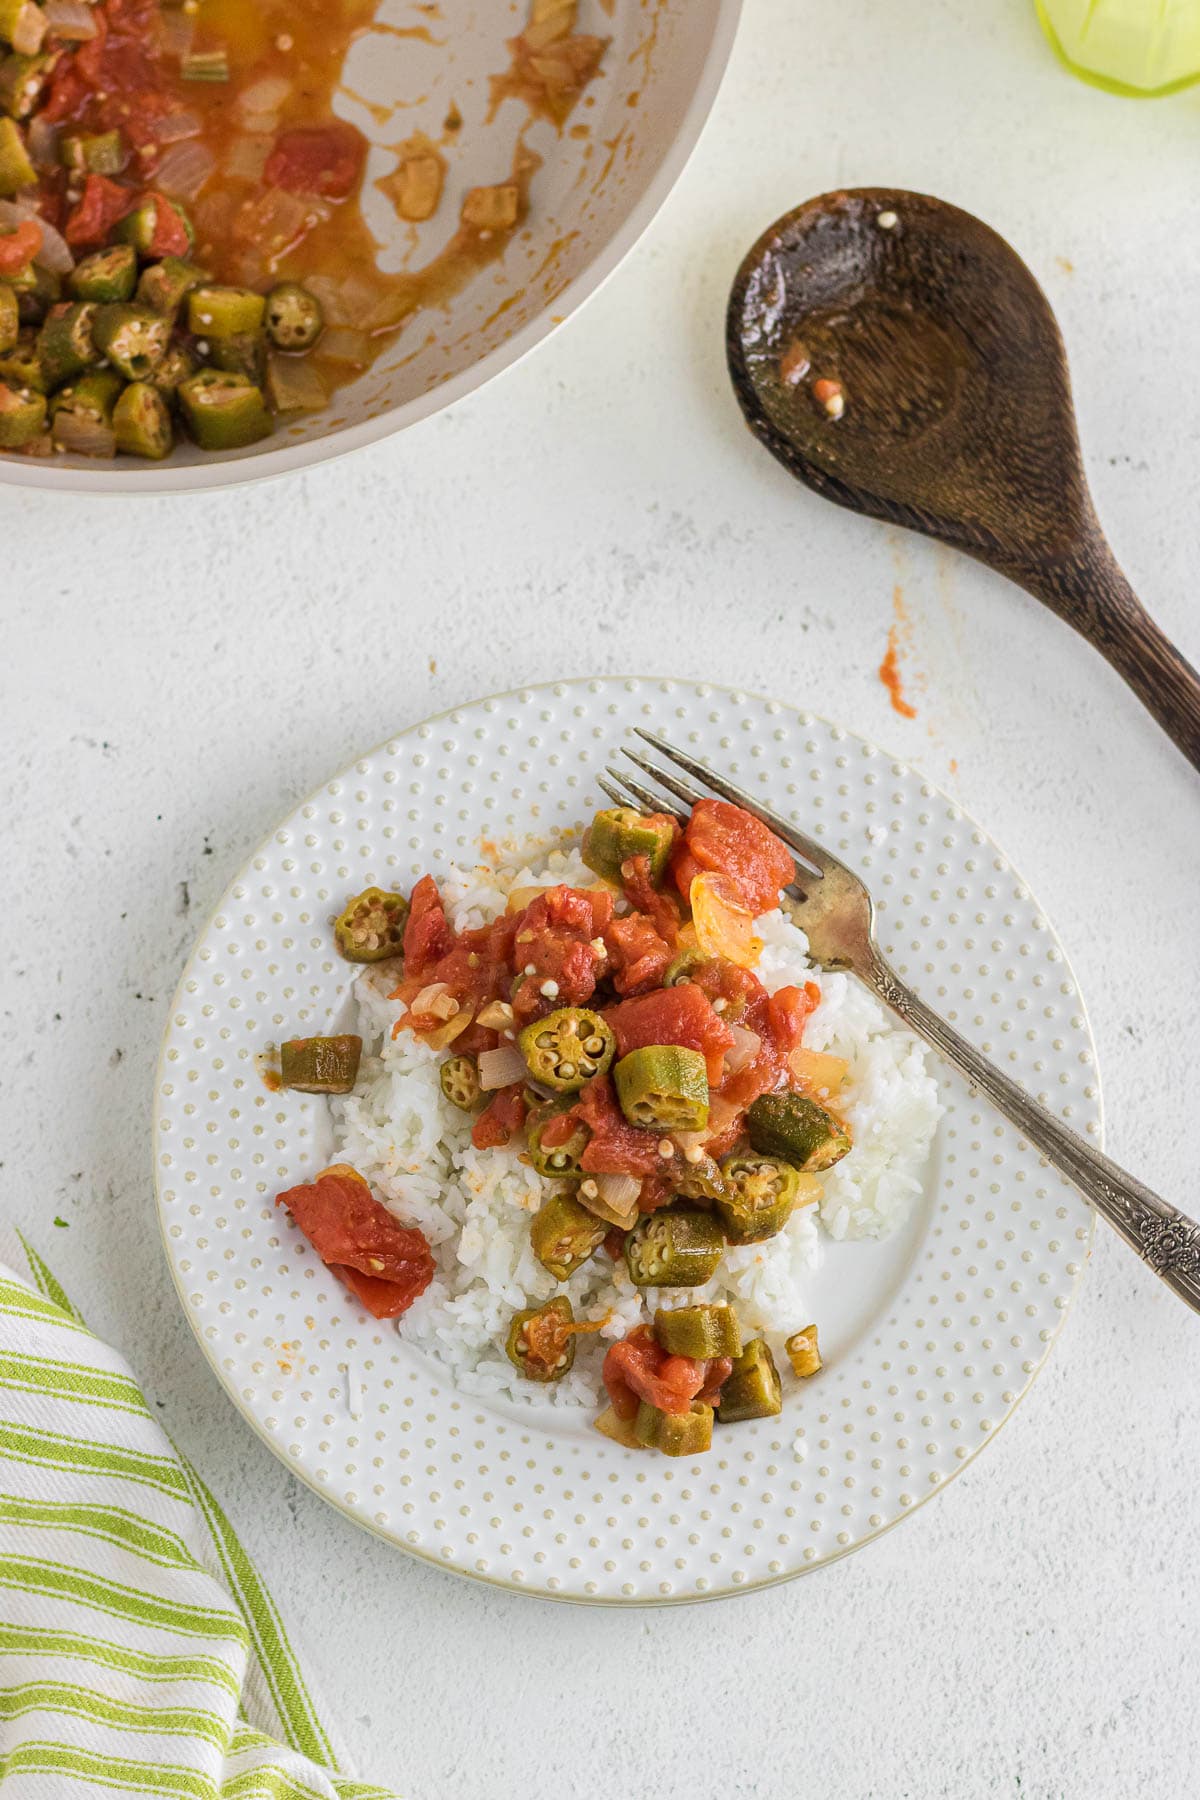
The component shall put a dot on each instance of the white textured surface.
(174, 678)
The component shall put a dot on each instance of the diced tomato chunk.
(101, 204)
(427, 935)
(730, 842)
(317, 159)
(661, 908)
(559, 939)
(500, 1121)
(717, 1373)
(677, 1015)
(615, 1147)
(388, 1265)
(384, 1299)
(638, 1368)
(637, 955)
(170, 236)
(19, 247)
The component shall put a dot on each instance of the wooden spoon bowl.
(896, 355)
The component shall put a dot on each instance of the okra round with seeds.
(164, 286)
(567, 1048)
(675, 1434)
(141, 422)
(21, 366)
(105, 276)
(294, 317)
(761, 1193)
(223, 312)
(663, 1087)
(65, 342)
(458, 1078)
(22, 415)
(223, 412)
(371, 927)
(132, 338)
(679, 1248)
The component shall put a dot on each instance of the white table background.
(175, 674)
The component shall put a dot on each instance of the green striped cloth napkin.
(139, 1649)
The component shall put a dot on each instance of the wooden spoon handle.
(1092, 593)
(1163, 679)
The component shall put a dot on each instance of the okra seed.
(567, 1071)
(665, 1147)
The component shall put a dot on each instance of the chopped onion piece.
(820, 1073)
(178, 29)
(266, 95)
(177, 127)
(293, 385)
(260, 124)
(246, 157)
(497, 1015)
(71, 19)
(500, 1068)
(84, 436)
(54, 253)
(185, 169)
(746, 1046)
(435, 1001)
(29, 28)
(444, 1035)
(613, 1198)
(723, 928)
(43, 141)
(341, 345)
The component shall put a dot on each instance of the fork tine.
(682, 790)
(813, 853)
(613, 793)
(645, 798)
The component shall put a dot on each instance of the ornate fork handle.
(1165, 1238)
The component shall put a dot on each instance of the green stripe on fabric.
(24, 1303)
(275, 1654)
(269, 1782)
(47, 1283)
(70, 1381)
(62, 1581)
(111, 1523)
(88, 1456)
(30, 1640)
(119, 1715)
(67, 1762)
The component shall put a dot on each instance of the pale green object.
(1138, 47)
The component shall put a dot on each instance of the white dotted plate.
(930, 1338)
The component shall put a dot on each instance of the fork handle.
(1165, 1238)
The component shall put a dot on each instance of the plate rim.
(460, 1570)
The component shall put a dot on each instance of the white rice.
(474, 1206)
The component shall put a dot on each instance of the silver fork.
(832, 906)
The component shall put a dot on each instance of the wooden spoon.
(897, 355)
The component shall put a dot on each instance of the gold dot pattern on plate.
(532, 1498)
